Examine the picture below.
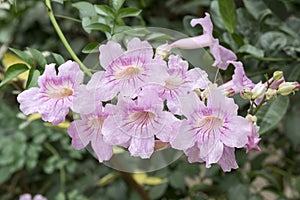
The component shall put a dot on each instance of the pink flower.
(180, 82)
(55, 95)
(210, 128)
(220, 53)
(239, 80)
(89, 129)
(29, 197)
(126, 72)
(253, 139)
(136, 122)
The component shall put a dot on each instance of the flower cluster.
(143, 97)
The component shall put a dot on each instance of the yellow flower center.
(64, 92)
(128, 73)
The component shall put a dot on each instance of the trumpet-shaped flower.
(239, 80)
(136, 122)
(220, 53)
(210, 128)
(55, 95)
(126, 72)
(89, 129)
(180, 82)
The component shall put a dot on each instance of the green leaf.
(271, 114)
(291, 127)
(58, 1)
(85, 9)
(177, 180)
(104, 10)
(41, 60)
(228, 14)
(25, 57)
(58, 59)
(116, 4)
(257, 9)
(99, 27)
(5, 174)
(273, 40)
(252, 50)
(129, 12)
(12, 72)
(32, 78)
(158, 191)
(91, 48)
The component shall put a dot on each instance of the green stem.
(68, 18)
(259, 105)
(64, 40)
(62, 172)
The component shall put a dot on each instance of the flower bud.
(163, 50)
(271, 94)
(277, 75)
(258, 91)
(251, 118)
(246, 93)
(287, 88)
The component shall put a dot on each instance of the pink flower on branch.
(239, 80)
(89, 129)
(220, 53)
(210, 128)
(137, 122)
(126, 72)
(180, 82)
(55, 95)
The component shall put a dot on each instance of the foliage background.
(37, 158)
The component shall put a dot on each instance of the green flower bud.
(287, 88)
(277, 75)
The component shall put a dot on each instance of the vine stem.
(64, 40)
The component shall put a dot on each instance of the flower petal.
(80, 133)
(185, 138)
(227, 161)
(190, 103)
(109, 52)
(215, 155)
(142, 147)
(207, 142)
(71, 69)
(198, 78)
(29, 100)
(113, 135)
(103, 150)
(236, 132)
(168, 132)
(54, 110)
(49, 73)
(193, 154)
(142, 48)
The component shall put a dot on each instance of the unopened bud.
(277, 75)
(163, 50)
(258, 91)
(251, 118)
(246, 93)
(287, 88)
(271, 94)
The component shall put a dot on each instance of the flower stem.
(64, 40)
